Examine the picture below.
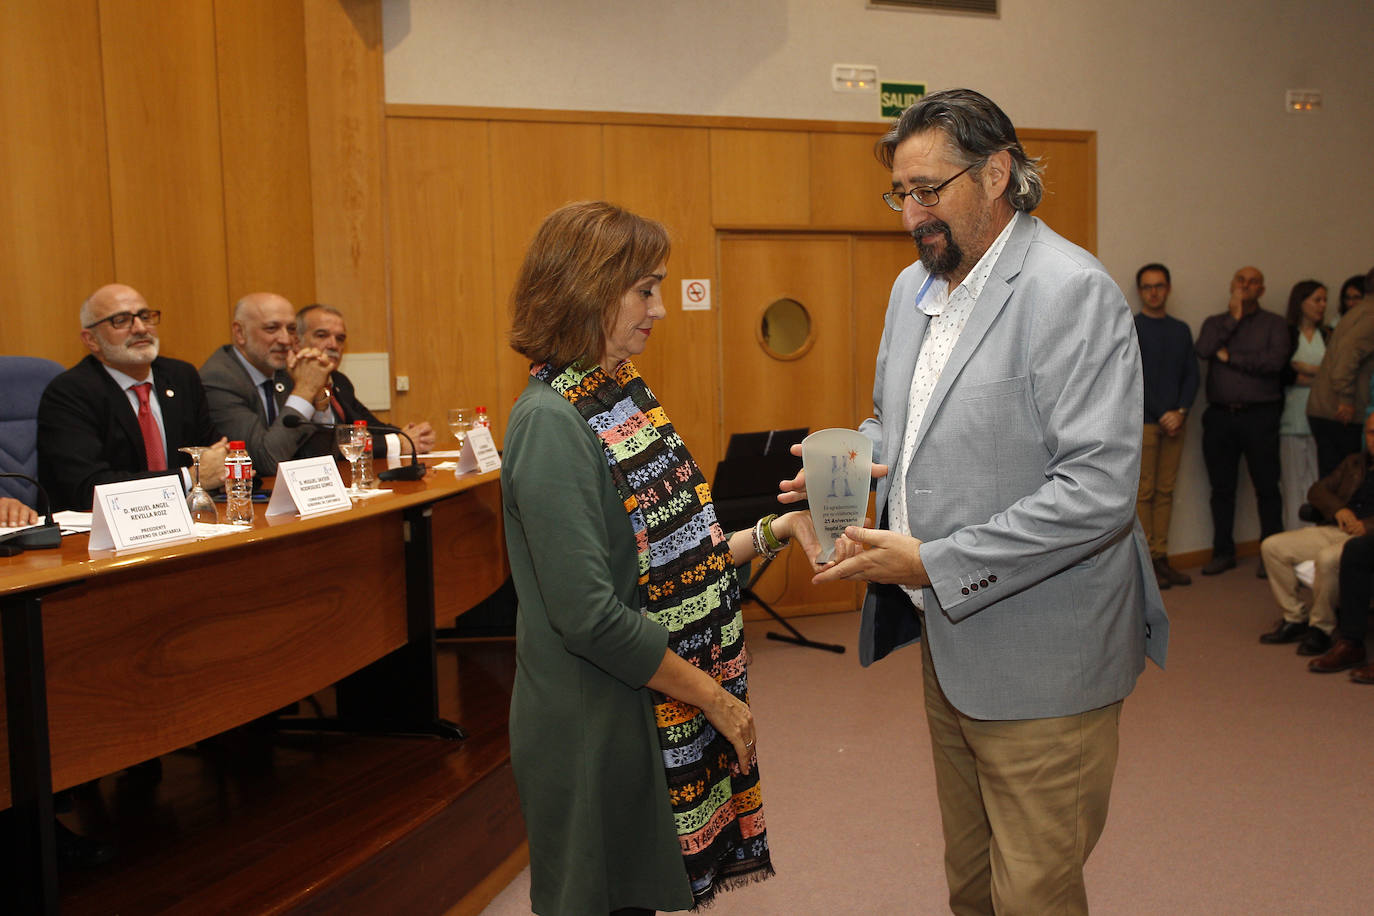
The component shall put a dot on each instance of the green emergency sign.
(898, 97)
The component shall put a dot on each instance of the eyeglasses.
(1153, 287)
(925, 195)
(121, 320)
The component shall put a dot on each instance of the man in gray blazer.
(256, 382)
(1008, 405)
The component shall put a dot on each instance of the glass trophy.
(838, 465)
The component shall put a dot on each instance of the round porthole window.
(785, 329)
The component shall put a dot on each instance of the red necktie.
(147, 424)
(338, 408)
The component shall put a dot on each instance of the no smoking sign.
(696, 295)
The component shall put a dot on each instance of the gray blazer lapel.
(996, 292)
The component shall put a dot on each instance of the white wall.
(1199, 166)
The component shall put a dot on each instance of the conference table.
(113, 659)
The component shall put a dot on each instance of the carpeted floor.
(1245, 784)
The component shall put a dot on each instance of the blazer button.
(973, 585)
(992, 578)
(984, 583)
(964, 590)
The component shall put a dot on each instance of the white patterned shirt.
(948, 311)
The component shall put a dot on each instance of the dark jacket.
(88, 432)
(1333, 492)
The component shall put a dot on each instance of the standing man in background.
(1008, 542)
(1339, 399)
(1171, 381)
(1246, 349)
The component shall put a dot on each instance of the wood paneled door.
(842, 281)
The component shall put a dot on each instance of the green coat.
(584, 746)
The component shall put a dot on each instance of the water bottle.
(238, 484)
(367, 479)
(481, 418)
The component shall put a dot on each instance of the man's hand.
(1224, 355)
(212, 464)
(309, 370)
(423, 434)
(13, 513)
(1349, 523)
(887, 557)
(1345, 413)
(1237, 304)
(794, 490)
(1171, 422)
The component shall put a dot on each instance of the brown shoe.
(1363, 675)
(1284, 632)
(1344, 654)
(1165, 572)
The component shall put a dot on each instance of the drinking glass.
(460, 421)
(351, 440)
(198, 501)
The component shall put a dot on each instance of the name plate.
(137, 514)
(308, 486)
(479, 452)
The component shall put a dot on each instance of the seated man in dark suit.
(123, 411)
(256, 382)
(322, 327)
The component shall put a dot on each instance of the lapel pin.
(170, 393)
(281, 386)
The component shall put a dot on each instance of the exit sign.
(898, 97)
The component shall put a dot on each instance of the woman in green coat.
(631, 738)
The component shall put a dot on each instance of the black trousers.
(1357, 586)
(1334, 441)
(1229, 434)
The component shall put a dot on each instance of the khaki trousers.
(1160, 455)
(1281, 552)
(1022, 803)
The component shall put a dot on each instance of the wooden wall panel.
(447, 335)
(1070, 202)
(760, 178)
(847, 183)
(54, 184)
(343, 60)
(815, 390)
(166, 190)
(265, 144)
(535, 169)
(653, 171)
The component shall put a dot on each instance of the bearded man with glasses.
(1008, 406)
(123, 411)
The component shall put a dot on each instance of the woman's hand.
(735, 721)
(798, 525)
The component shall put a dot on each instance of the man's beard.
(122, 354)
(941, 263)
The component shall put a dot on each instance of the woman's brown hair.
(582, 261)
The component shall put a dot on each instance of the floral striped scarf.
(687, 583)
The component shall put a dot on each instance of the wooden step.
(268, 821)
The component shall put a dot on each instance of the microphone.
(46, 534)
(413, 471)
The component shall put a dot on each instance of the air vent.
(956, 6)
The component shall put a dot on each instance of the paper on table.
(73, 522)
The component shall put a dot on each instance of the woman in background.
(1352, 292)
(1297, 449)
(631, 741)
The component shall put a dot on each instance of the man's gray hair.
(976, 128)
(313, 307)
(87, 312)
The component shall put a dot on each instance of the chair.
(22, 379)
